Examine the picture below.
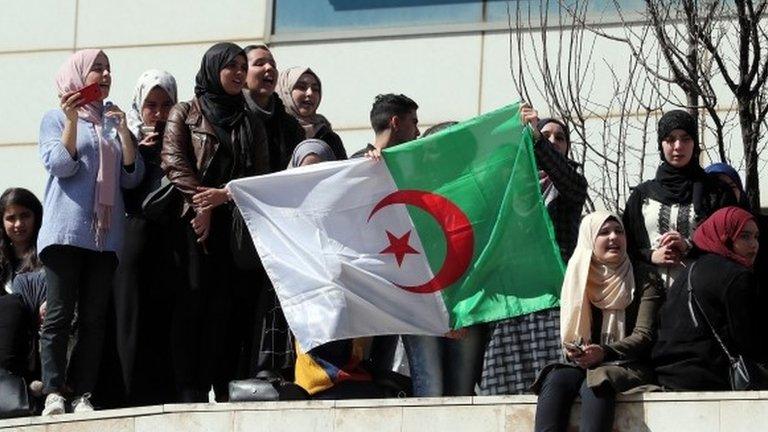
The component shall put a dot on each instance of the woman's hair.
(29, 261)
(250, 48)
(438, 127)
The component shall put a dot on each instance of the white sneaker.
(54, 404)
(82, 404)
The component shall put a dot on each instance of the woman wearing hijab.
(209, 141)
(336, 369)
(83, 224)
(272, 347)
(145, 276)
(521, 346)
(301, 92)
(687, 356)
(727, 175)
(662, 213)
(283, 131)
(606, 328)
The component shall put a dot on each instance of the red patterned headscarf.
(717, 233)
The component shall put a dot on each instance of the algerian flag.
(446, 231)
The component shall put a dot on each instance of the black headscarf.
(690, 183)
(219, 107)
(543, 122)
(228, 112)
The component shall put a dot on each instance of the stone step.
(700, 412)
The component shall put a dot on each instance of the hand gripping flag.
(446, 231)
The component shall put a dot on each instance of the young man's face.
(405, 127)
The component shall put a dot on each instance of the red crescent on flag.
(459, 235)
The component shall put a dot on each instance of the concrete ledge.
(701, 412)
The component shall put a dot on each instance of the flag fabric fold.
(445, 232)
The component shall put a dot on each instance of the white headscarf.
(588, 282)
(147, 81)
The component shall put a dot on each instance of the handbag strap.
(693, 299)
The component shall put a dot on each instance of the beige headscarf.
(285, 84)
(588, 282)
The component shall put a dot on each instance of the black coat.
(687, 357)
(333, 140)
(283, 132)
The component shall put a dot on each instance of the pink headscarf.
(71, 77)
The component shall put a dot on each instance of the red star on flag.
(399, 247)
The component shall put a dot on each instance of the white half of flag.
(311, 228)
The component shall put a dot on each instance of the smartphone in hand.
(160, 128)
(90, 93)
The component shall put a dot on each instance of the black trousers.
(559, 390)
(137, 349)
(203, 314)
(83, 278)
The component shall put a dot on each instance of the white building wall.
(451, 76)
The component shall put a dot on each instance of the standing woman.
(209, 141)
(606, 328)
(83, 224)
(283, 131)
(522, 345)
(662, 213)
(146, 276)
(22, 215)
(301, 92)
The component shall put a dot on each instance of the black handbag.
(163, 204)
(743, 374)
(265, 387)
(14, 399)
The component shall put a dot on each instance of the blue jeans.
(445, 367)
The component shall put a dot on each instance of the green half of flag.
(486, 167)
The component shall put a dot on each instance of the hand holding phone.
(90, 93)
(160, 127)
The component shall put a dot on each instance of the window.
(323, 16)
(302, 16)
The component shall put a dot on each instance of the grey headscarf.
(310, 146)
(147, 81)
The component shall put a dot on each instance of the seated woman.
(20, 316)
(606, 327)
(22, 215)
(687, 356)
(301, 92)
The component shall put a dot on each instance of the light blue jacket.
(70, 190)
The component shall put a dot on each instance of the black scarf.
(228, 112)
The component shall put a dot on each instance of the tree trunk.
(749, 136)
